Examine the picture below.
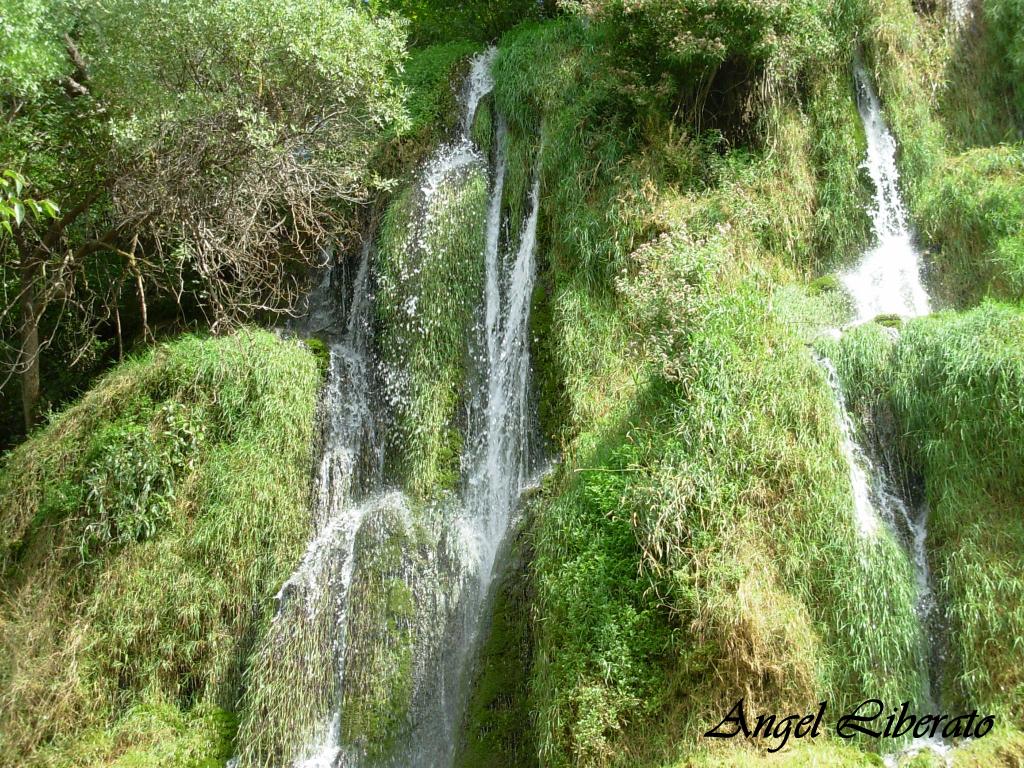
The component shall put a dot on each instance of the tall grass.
(145, 531)
(952, 385)
(697, 543)
(974, 217)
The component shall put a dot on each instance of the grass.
(974, 218)
(144, 532)
(150, 736)
(951, 384)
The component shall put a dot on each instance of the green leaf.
(19, 211)
(18, 179)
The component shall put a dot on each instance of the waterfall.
(388, 602)
(887, 281)
(497, 458)
(960, 13)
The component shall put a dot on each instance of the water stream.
(887, 281)
(367, 532)
(497, 455)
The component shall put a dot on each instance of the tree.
(205, 150)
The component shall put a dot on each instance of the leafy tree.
(15, 207)
(431, 21)
(202, 152)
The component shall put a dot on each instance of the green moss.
(145, 531)
(321, 352)
(889, 321)
(403, 599)
(430, 268)
(825, 284)
(482, 129)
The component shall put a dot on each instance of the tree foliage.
(202, 153)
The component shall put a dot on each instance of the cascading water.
(497, 458)
(306, 639)
(960, 12)
(368, 657)
(887, 281)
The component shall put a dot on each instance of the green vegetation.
(379, 675)
(200, 153)
(144, 533)
(432, 22)
(952, 386)
(430, 273)
(167, 166)
(431, 79)
(403, 596)
(974, 217)
(702, 480)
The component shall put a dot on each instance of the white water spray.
(888, 278)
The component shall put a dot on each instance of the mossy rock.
(321, 352)
(482, 129)
(401, 606)
(825, 284)
(430, 283)
(889, 321)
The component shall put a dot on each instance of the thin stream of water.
(887, 281)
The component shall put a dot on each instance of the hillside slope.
(144, 533)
